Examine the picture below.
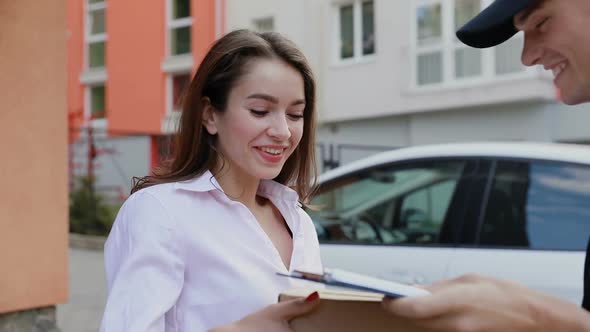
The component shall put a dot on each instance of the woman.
(197, 245)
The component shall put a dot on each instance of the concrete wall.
(33, 149)
(382, 85)
(300, 21)
(372, 102)
(543, 122)
(36, 320)
(570, 123)
(124, 158)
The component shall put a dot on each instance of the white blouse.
(182, 256)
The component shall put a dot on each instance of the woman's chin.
(267, 173)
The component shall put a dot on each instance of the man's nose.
(279, 127)
(532, 52)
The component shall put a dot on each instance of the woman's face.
(263, 122)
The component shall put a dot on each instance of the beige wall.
(33, 154)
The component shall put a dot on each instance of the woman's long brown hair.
(193, 150)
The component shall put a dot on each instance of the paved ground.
(84, 310)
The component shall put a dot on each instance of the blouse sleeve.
(144, 267)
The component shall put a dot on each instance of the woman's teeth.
(272, 151)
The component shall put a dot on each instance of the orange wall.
(203, 32)
(33, 146)
(135, 50)
(75, 39)
(135, 87)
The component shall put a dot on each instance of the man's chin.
(575, 97)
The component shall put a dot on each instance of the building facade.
(128, 65)
(390, 74)
(393, 74)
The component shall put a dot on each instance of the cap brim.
(494, 25)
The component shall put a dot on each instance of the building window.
(368, 21)
(430, 43)
(97, 102)
(179, 27)
(266, 24)
(356, 30)
(441, 58)
(180, 84)
(468, 61)
(346, 32)
(95, 33)
(507, 57)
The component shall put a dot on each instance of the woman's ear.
(209, 116)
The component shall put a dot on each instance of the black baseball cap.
(494, 25)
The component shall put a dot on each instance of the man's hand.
(475, 303)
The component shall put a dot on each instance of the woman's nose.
(279, 127)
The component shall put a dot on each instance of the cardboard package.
(345, 311)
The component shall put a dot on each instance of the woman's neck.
(238, 186)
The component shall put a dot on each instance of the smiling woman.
(208, 231)
(262, 124)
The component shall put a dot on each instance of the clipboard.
(351, 280)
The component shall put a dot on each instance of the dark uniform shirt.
(586, 300)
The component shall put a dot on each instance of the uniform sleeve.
(144, 267)
(586, 298)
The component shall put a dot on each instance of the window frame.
(449, 44)
(172, 23)
(92, 77)
(98, 123)
(171, 117)
(258, 21)
(357, 19)
(90, 38)
(170, 91)
(173, 65)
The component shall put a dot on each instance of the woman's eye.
(259, 112)
(296, 116)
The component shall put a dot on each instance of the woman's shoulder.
(158, 189)
(172, 197)
(146, 201)
(162, 191)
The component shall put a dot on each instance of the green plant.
(89, 214)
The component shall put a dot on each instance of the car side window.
(398, 204)
(538, 205)
(422, 212)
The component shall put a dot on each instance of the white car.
(518, 211)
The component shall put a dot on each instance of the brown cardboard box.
(345, 311)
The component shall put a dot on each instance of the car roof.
(571, 153)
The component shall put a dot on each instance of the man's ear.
(209, 116)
